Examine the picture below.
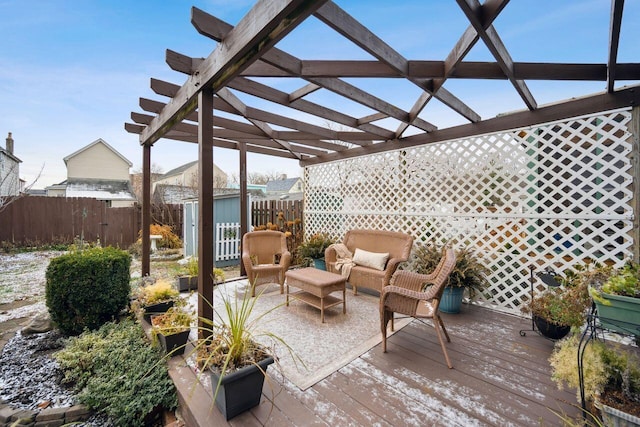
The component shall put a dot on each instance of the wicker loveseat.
(397, 245)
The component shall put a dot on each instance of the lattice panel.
(551, 195)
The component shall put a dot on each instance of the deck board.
(499, 378)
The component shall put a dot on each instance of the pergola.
(246, 59)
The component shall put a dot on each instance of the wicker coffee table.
(315, 287)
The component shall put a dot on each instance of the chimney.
(10, 144)
(283, 176)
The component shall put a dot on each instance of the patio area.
(504, 383)
(550, 185)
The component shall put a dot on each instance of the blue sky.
(72, 71)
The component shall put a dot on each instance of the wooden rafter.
(614, 40)
(263, 26)
(238, 62)
(474, 13)
(350, 28)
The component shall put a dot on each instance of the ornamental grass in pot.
(231, 354)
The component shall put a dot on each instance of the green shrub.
(88, 288)
(116, 371)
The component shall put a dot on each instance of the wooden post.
(146, 209)
(205, 209)
(244, 227)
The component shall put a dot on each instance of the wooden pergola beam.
(463, 70)
(259, 30)
(170, 89)
(270, 94)
(292, 65)
(347, 26)
(559, 111)
(474, 12)
(614, 40)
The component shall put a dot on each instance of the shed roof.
(100, 189)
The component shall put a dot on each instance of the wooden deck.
(499, 378)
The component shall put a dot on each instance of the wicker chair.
(405, 296)
(265, 257)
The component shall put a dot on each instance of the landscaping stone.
(39, 324)
(23, 417)
(51, 414)
(49, 423)
(6, 412)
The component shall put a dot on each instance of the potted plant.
(231, 354)
(470, 274)
(611, 378)
(313, 248)
(560, 308)
(617, 299)
(156, 298)
(188, 279)
(172, 328)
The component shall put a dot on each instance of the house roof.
(179, 169)
(281, 184)
(97, 141)
(8, 154)
(100, 189)
(173, 194)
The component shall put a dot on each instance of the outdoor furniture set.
(372, 258)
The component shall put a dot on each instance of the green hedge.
(85, 289)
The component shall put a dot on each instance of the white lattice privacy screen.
(551, 195)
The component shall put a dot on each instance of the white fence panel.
(227, 241)
(553, 195)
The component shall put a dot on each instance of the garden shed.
(226, 214)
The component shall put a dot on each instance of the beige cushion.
(371, 259)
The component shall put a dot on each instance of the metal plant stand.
(548, 277)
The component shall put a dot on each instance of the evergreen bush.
(116, 371)
(85, 289)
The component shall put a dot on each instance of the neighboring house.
(182, 183)
(287, 188)
(97, 171)
(10, 182)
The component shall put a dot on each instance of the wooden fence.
(36, 221)
(283, 215)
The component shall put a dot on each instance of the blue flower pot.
(320, 264)
(451, 299)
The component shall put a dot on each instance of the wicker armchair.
(265, 257)
(405, 296)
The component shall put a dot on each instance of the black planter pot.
(174, 344)
(550, 330)
(240, 390)
(158, 308)
(187, 283)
